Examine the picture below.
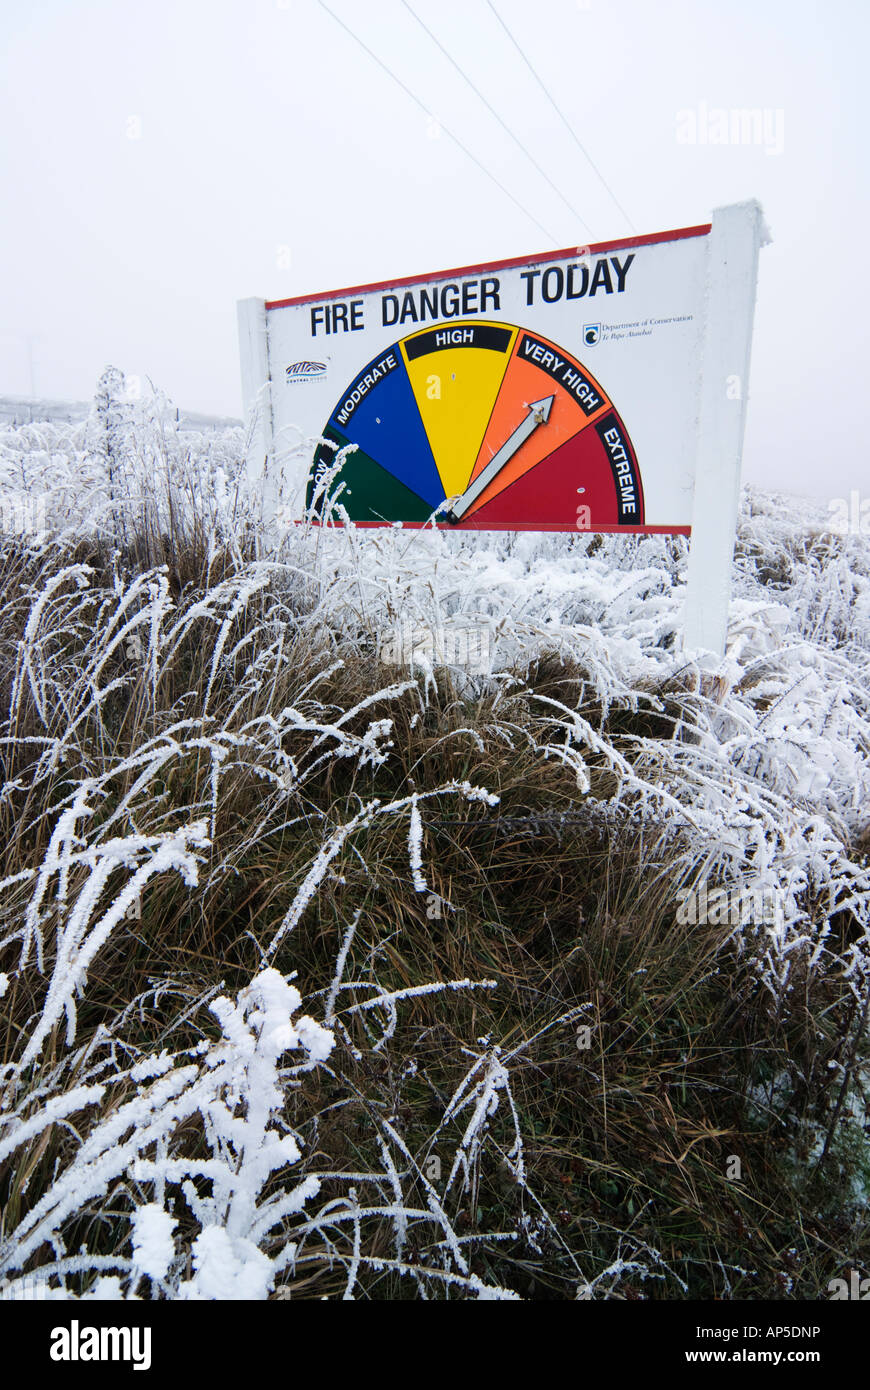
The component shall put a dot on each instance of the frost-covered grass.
(297, 949)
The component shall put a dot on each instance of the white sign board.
(598, 388)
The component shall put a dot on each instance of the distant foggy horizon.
(161, 164)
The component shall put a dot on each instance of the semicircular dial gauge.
(496, 425)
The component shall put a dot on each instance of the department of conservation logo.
(304, 371)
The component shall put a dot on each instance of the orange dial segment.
(537, 369)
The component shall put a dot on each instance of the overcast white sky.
(160, 161)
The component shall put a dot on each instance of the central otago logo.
(304, 371)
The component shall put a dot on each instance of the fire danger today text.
(460, 298)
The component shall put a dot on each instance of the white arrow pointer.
(539, 414)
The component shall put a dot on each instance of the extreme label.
(625, 471)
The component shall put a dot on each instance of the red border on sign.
(467, 530)
(626, 242)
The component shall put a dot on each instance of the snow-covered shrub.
(203, 760)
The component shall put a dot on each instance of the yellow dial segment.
(456, 374)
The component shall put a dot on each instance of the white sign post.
(600, 388)
(257, 400)
(737, 234)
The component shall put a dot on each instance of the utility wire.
(562, 117)
(516, 139)
(489, 174)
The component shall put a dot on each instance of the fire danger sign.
(554, 393)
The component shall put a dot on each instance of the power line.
(490, 175)
(516, 139)
(562, 117)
